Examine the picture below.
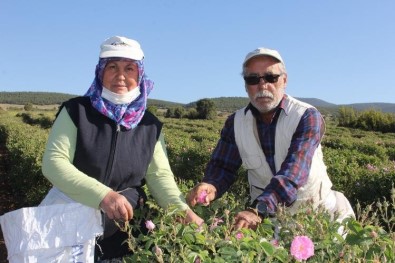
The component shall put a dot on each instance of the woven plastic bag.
(54, 233)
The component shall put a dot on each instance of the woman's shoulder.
(73, 104)
(150, 118)
(77, 100)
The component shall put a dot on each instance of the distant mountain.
(50, 98)
(234, 103)
(228, 104)
(318, 103)
(37, 98)
(163, 103)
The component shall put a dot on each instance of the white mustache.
(264, 94)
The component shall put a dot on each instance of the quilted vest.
(117, 157)
(318, 185)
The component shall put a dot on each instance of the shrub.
(206, 109)
(25, 149)
(217, 241)
(370, 120)
(28, 107)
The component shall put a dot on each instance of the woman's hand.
(117, 207)
(202, 193)
(191, 217)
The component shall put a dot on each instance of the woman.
(104, 146)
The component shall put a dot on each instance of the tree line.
(368, 120)
(37, 98)
(204, 109)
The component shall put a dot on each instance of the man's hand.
(117, 207)
(247, 219)
(202, 193)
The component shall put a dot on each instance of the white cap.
(121, 47)
(263, 52)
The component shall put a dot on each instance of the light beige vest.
(318, 185)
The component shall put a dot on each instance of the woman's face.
(120, 76)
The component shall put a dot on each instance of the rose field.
(360, 163)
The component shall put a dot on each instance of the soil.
(8, 201)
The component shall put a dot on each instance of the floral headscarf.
(127, 115)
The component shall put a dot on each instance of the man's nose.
(262, 85)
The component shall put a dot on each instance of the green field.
(360, 163)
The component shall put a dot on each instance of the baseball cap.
(263, 52)
(123, 47)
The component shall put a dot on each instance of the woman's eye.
(131, 68)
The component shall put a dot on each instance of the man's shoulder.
(291, 100)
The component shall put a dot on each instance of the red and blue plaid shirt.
(294, 171)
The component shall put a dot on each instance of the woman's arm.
(58, 168)
(160, 179)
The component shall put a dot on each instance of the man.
(277, 139)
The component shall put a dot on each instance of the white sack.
(53, 233)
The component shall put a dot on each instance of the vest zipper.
(111, 157)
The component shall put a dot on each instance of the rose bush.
(309, 235)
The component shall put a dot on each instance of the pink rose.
(239, 235)
(202, 197)
(149, 225)
(302, 248)
(274, 242)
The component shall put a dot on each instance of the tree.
(179, 112)
(169, 113)
(206, 109)
(152, 109)
(28, 107)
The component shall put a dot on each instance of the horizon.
(306, 98)
(341, 52)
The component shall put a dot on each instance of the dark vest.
(117, 157)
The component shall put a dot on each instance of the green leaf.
(200, 239)
(189, 238)
(227, 251)
(268, 248)
(355, 226)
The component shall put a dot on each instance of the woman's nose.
(121, 74)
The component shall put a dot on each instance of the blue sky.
(338, 51)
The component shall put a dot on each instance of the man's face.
(265, 96)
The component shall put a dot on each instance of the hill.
(233, 103)
(52, 98)
(227, 104)
(37, 98)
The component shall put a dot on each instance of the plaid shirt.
(294, 171)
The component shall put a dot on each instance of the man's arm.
(225, 160)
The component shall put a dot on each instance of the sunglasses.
(268, 78)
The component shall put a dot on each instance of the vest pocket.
(252, 162)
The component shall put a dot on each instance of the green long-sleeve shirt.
(58, 168)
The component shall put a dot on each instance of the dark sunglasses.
(268, 77)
